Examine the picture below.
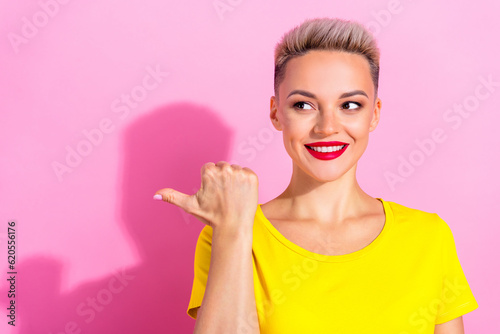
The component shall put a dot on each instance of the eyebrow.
(311, 95)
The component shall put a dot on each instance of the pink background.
(69, 72)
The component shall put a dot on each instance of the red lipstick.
(326, 155)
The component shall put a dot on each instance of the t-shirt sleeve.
(456, 296)
(201, 266)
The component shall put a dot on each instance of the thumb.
(175, 197)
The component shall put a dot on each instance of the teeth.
(326, 149)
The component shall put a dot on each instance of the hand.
(228, 196)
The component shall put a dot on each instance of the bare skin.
(227, 201)
(455, 326)
(323, 201)
(326, 240)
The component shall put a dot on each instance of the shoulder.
(417, 220)
(420, 230)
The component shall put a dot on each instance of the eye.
(302, 103)
(349, 104)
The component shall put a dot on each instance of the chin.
(325, 175)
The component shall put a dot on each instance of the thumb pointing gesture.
(227, 197)
(186, 202)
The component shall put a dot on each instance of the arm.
(227, 201)
(455, 326)
(228, 304)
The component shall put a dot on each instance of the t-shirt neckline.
(330, 258)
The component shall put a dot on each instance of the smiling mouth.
(326, 149)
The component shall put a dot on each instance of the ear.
(376, 114)
(274, 114)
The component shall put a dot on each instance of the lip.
(326, 143)
(327, 155)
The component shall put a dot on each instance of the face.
(326, 96)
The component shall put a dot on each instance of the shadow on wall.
(165, 148)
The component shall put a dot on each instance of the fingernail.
(158, 197)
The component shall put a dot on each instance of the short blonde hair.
(326, 34)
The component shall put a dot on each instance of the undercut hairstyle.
(326, 34)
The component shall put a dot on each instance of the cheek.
(358, 128)
(295, 126)
(296, 132)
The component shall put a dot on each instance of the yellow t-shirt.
(405, 281)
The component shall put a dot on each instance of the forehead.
(328, 72)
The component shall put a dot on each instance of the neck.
(326, 202)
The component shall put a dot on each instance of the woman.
(324, 256)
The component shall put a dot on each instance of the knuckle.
(169, 197)
(248, 169)
(253, 177)
(206, 174)
(226, 169)
(207, 167)
(221, 163)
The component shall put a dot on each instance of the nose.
(328, 123)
